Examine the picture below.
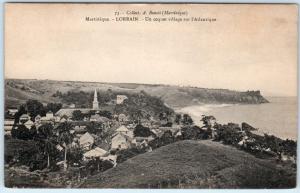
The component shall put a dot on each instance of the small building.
(110, 158)
(94, 153)
(86, 141)
(23, 118)
(120, 141)
(62, 120)
(37, 119)
(59, 147)
(12, 112)
(72, 105)
(49, 115)
(80, 129)
(8, 125)
(28, 124)
(122, 129)
(121, 99)
(98, 118)
(122, 118)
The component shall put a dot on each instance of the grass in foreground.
(195, 164)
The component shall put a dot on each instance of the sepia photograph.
(150, 95)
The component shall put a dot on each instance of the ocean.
(279, 117)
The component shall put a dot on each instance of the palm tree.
(49, 149)
(65, 138)
(45, 135)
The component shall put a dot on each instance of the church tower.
(95, 102)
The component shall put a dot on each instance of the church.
(69, 111)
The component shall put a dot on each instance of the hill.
(19, 90)
(194, 164)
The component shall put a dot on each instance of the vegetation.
(194, 164)
(141, 131)
(175, 96)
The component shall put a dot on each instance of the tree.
(21, 132)
(50, 149)
(21, 111)
(35, 108)
(75, 155)
(208, 121)
(53, 107)
(65, 139)
(94, 127)
(178, 119)
(47, 141)
(187, 120)
(137, 115)
(141, 131)
(106, 114)
(45, 131)
(77, 115)
(33, 132)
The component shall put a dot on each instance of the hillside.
(194, 164)
(17, 91)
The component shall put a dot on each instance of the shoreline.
(256, 115)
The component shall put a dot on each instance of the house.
(111, 158)
(12, 112)
(67, 113)
(122, 118)
(59, 147)
(8, 125)
(125, 131)
(37, 119)
(120, 141)
(173, 129)
(98, 118)
(62, 120)
(96, 152)
(86, 141)
(72, 105)
(122, 129)
(49, 115)
(28, 124)
(48, 118)
(80, 129)
(23, 118)
(121, 98)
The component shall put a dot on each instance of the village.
(86, 141)
(94, 133)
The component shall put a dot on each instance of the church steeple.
(95, 102)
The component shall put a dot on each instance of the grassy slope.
(194, 164)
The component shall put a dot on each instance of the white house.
(96, 152)
(122, 118)
(12, 112)
(28, 124)
(49, 115)
(122, 129)
(37, 119)
(23, 118)
(86, 141)
(120, 141)
(121, 98)
(62, 120)
(8, 125)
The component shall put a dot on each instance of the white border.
(38, 190)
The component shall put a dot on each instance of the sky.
(248, 47)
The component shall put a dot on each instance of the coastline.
(279, 117)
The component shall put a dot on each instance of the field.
(195, 164)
